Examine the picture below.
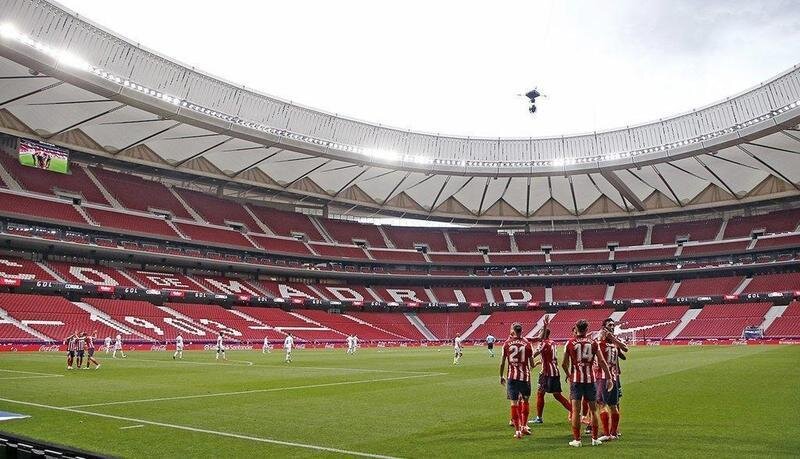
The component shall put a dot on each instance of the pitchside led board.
(43, 156)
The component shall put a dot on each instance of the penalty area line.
(29, 372)
(254, 391)
(205, 431)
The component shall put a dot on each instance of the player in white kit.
(266, 349)
(288, 343)
(178, 348)
(351, 345)
(118, 347)
(457, 352)
(220, 347)
(107, 344)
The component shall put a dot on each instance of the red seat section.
(345, 232)
(53, 316)
(778, 241)
(447, 325)
(653, 322)
(165, 281)
(392, 322)
(459, 294)
(217, 210)
(89, 274)
(558, 240)
(586, 257)
(280, 245)
(718, 247)
(217, 235)
(561, 324)
(579, 292)
(346, 292)
(518, 258)
(500, 322)
(787, 325)
(228, 285)
(407, 237)
(285, 322)
(517, 294)
(11, 332)
(404, 256)
(347, 326)
(46, 182)
(724, 320)
(668, 233)
(133, 223)
(470, 240)
(43, 208)
(218, 318)
(767, 283)
(284, 223)
(130, 189)
(291, 290)
(22, 269)
(402, 294)
(454, 258)
(340, 251)
(600, 238)
(662, 253)
(782, 221)
(642, 290)
(709, 286)
(150, 321)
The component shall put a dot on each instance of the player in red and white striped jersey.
(518, 352)
(608, 401)
(90, 350)
(579, 356)
(80, 348)
(71, 346)
(549, 377)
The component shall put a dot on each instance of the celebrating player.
(457, 350)
(579, 356)
(490, 344)
(351, 346)
(107, 344)
(519, 354)
(265, 349)
(90, 351)
(608, 401)
(80, 346)
(178, 348)
(288, 342)
(220, 347)
(118, 347)
(549, 377)
(71, 346)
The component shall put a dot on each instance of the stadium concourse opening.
(189, 266)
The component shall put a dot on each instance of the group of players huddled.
(591, 367)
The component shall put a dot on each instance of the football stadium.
(191, 267)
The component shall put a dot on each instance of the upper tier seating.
(350, 252)
(778, 241)
(642, 290)
(787, 325)
(132, 223)
(589, 292)
(22, 269)
(600, 238)
(557, 240)
(137, 193)
(561, 324)
(470, 240)
(724, 320)
(767, 283)
(278, 245)
(46, 182)
(405, 237)
(702, 230)
(500, 322)
(782, 221)
(447, 325)
(456, 258)
(718, 247)
(217, 210)
(708, 286)
(284, 223)
(645, 254)
(404, 256)
(585, 257)
(345, 232)
(151, 321)
(517, 258)
(207, 233)
(392, 322)
(25, 206)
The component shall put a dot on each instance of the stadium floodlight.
(9, 31)
(71, 60)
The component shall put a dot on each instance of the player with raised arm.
(608, 401)
(579, 356)
(490, 339)
(90, 351)
(178, 348)
(288, 343)
(107, 344)
(80, 348)
(71, 346)
(549, 377)
(265, 349)
(518, 352)
(355, 344)
(457, 350)
(118, 347)
(220, 347)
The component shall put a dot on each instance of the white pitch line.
(254, 391)
(30, 372)
(31, 377)
(206, 431)
(131, 427)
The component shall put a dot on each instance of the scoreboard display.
(43, 156)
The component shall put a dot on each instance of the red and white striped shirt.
(90, 342)
(582, 352)
(547, 349)
(610, 352)
(72, 344)
(80, 344)
(519, 353)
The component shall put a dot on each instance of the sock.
(576, 432)
(614, 423)
(585, 408)
(604, 421)
(539, 403)
(526, 411)
(564, 402)
(515, 416)
(594, 431)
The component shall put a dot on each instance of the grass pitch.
(726, 401)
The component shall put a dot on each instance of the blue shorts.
(582, 391)
(549, 384)
(490, 346)
(607, 397)
(516, 388)
(91, 351)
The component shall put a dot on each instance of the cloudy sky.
(456, 67)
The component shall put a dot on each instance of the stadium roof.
(72, 83)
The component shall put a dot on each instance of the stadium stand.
(133, 223)
(724, 320)
(402, 294)
(645, 254)
(217, 210)
(517, 258)
(294, 323)
(456, 258)
(52, 316)
(22, 269)
(561, 324)
(407, 237)
(585, 257)
(391, 322)
(500, 322)
(89, 274)
(280, 245)
(340, 251)
(459, 294)
(165, 281)
(557, 240)
(470, 240)
(601, 238)
(708, 286)
(517, 294)
(405, 256)
(787, 325)
(208, 233)
(641, 290)
(783, 221)
(701, 230)
(46, 182)
(447, 325)
(217, 318)
(51, 209)
(589, 292)
(284, 223)
(148, 320)
(347, 326)
(129, 189)
(765, 283)
(347, 232)
(346, 292)
(657, 322)
(719, 247)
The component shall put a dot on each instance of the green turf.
(726, 401)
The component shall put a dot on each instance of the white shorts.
(288, 350)
(117, 347)
(178, 348)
